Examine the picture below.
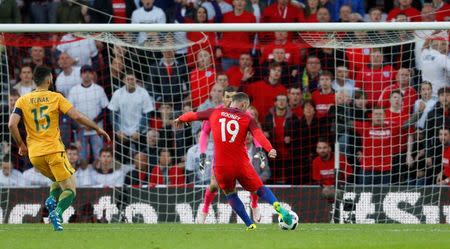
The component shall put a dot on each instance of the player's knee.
(213, 188)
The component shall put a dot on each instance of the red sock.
(254, 200)
(209, 198)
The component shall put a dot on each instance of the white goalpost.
(386, 125)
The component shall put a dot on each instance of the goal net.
(358, 119)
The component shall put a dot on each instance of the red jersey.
(323, 102)
(276, 13)
(373, 81)
(263, 96)
(443, 13)
(377, 145)
(446, 162)
(324, 173)
(234, 74)
(393, 119)
(357, 58)
(119, 11)
(201, 82)
(409, 97)
(298, 111)
(412, 13)
(229, 127)
(292, 52)
(174, 176)
(236, 43)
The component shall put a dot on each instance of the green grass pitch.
(233, 236)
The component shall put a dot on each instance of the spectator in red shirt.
(295, 101)
(233, 44)
(376, 154)
(274, 126)
(309, 79)
(406, 8)
(239, 75)
(403, 84)
(311, 8)
(323, 169)
(375, 77)
(112, 11)
(262, 91)
(279, 12)
(202, 78)
(324, 97)
(292, 50)
(166, 173)
(443, 177)
(442, 10)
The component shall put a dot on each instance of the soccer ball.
(292, 226)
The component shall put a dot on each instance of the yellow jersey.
(40, 110)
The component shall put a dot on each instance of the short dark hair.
(6, 158)
(40, 74)
(72, 147)
(326, 73)
(274, 65)
(425, 82)
(443, 90)
(323, 140)
(14, 92)
(240, 96)
(360, 94)
(164, 150)
(106, 150)
(229, 89)
(396, 91)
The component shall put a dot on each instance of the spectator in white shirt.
(343, 82)
(84, 171)
(33, 178)
(435, 63)
(82, 51)
(10, 177)
(70, 75)
(426, 97)
(26, 83)
(106, 174)
(130, 106)
(193, 172)
(147, 14)
(90, 99)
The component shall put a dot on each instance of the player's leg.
(250, 181)
(41, 165)
(227, 182)
(210, 194)
(63, 173)
(256, 213)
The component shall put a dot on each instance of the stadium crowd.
(387, 107)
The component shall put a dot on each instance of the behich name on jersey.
(229, 115)
(39, 100)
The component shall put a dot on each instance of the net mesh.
(386, 166)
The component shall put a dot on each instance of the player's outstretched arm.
(192, 116)
(259, 136)
(13, 125)
(81, 119)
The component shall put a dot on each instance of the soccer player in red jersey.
(211, 191)
(229, 127)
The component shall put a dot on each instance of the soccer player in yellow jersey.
(40, 110)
